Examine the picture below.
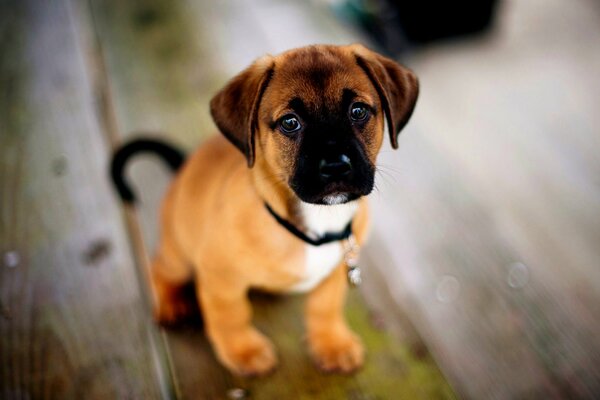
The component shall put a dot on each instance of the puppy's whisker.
(386, 176)
(376, 188)
(388, 167)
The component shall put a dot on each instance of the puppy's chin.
(332, 197)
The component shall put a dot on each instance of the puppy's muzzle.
(335, 169)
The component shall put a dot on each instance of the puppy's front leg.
(333, 346)
(227, 314)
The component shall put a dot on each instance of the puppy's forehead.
(319, 76)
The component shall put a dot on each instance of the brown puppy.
(308, 125)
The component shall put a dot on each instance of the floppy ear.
(235, 108)
(397, 86)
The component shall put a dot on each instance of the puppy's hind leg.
(172, 284)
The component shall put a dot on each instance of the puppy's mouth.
(332, 194)
(334, 199)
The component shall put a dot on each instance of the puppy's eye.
(289, 123)
(358, 112)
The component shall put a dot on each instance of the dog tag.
(354, 277)
(351, 253)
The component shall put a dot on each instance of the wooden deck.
(485, 256)
(493, 207)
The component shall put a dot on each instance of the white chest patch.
(320, 261)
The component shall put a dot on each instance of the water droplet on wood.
(448, 289)
(12, 259)
(518, 275)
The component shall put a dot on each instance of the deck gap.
(106, 116)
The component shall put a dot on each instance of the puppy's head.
(314, 118)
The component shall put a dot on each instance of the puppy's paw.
(337, 351)
(247, 353)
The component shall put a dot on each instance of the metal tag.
(351, 253)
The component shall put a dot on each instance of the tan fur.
(216, 229)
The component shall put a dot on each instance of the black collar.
(328, 237)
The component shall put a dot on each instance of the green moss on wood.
(392, 370)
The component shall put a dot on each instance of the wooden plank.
(393, 369)
(207, 37)
(161, 75)
(73, 324)
(493, 207)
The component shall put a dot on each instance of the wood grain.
(160, 75)
(393, 369)
(491, 209)
(72, 324)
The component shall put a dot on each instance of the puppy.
(284, 208)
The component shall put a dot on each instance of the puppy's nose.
(335, 168)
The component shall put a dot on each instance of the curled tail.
(173, 156)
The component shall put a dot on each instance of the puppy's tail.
(173, 156)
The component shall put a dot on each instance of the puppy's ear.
(397, 86)
(235, 108)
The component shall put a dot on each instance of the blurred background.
(485, 251)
